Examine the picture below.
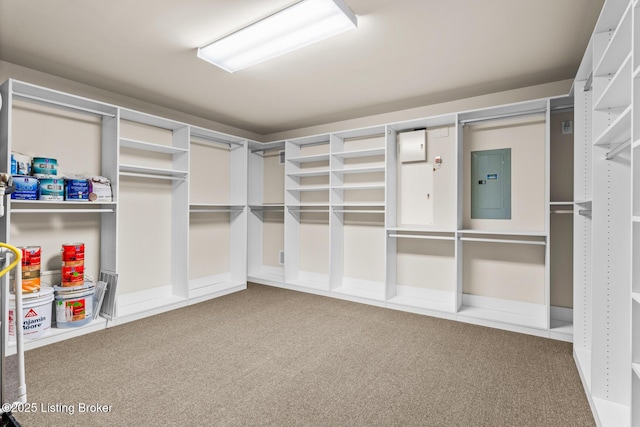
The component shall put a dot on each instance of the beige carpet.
(268, 356)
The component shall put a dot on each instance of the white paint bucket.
(74, 305)
(36, 313)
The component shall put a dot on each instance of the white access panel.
(416, 194)
(413, 146)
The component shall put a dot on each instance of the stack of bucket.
(74, 296)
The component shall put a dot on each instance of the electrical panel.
(491, 184)
(413, 146)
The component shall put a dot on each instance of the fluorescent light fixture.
(299, 25)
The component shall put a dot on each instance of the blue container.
(26, 188)
(76, 190)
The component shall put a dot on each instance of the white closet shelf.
(419, 229)
(60, 334)
(561, 327)
(422, 236)
(147, 172)
(488, 240)
(373, 295)
(149, 307)
(148, 146)
(310, 188)
(359, 187)
(71, 203)
(617, 94)
(636, 296)
(310, 158)
(512, 318)
(618, 132)
(618, 48)
(360, 153)
(302, 174)
(420, 303)
(368, 169)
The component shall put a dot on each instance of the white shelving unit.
(217, 213)
(605, 234)
(307, 217)
(357, 214)
(146, 159)
(153, 177)
(32, 121)
(266, 212)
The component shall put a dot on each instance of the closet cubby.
(307, 219)
(357, 183)
(267, 212)
(217, 213)
(153, 178)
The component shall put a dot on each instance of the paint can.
(51, 189)
(44, 165)
(74, 306)
(72, 252)
(36, 313)
(72, 276)
(20, 164)
(31, 261)
(26, 188)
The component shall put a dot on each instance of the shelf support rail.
(619, 149)
(39, 100)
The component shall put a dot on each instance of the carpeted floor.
(267, 356)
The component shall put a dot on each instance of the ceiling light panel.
(302, 24)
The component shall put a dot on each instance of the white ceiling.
(404, 54)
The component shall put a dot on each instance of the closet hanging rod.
(208, 141)
(504, 116)
(426, 237)
(619, 149)
(37, 99)
(520, 242)
(562, 211)
(263, 150)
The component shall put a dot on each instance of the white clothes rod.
(504, 116)
(416, 236)
(562, 211)
(264, 150)
(213, 210)
(519, 242)
(62, 104)
(619, 149)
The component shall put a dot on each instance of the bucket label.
(33, 323)
(73, 310)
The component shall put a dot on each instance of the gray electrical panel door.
(491, 184)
